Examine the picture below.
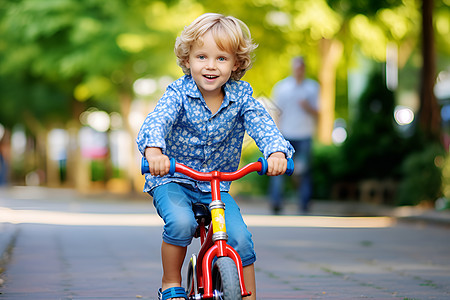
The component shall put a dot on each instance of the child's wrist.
(152, 151)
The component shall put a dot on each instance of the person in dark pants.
(297, 99)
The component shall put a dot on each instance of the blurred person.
(200, 121)
(3, 159)
(297, 99)
(3, 170)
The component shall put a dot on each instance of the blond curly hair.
(231, 35)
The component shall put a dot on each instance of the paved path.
(79, 249)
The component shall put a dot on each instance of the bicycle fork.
(217, 245)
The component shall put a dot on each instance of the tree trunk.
(330, 52)
(132, 174)
(78, 167)
(429, 115)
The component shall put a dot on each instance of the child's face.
(210, 67)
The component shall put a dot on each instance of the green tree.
(60, 57)
(369, 150)
(330, 34)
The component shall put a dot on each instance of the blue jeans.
(173, 203)
(302, 160)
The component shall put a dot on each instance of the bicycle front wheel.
(191, 277)
(226, 280)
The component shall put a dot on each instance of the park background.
(78, 77)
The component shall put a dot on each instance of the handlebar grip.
(290, 167)
(172, 166)
(264, 166)
(145, 168)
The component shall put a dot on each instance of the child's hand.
(277, 164)
(158, 163)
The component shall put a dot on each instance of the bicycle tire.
(226, 279)
(191, 274)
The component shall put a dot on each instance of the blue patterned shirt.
(184, 128)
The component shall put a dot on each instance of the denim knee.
(180, 230)
(174, 206)
(241, 240)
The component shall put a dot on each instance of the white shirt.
(295, 123)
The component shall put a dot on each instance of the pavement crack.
(273, 276)
(7, 254)
(65, 267)
(403, 273)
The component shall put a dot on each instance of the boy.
(200, 121)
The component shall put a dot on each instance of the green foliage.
(327, 168)
(57, 54)
(59, 57)
(441, 17)
(354, 7)
(422, 177)
(38, 101)
(374, 149)
(98, 170)
(73, 45)
(282, 29)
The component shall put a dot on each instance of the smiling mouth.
(210, 76)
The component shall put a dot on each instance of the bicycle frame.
(215, 242)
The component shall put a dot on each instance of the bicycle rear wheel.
(226, 280)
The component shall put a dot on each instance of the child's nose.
(211, 63)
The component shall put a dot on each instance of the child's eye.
(201, 57)
(222, 59)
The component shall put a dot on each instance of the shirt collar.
(191, 88)
(230, 91)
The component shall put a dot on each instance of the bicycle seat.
(201, 213)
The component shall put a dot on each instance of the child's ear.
(236, 66)
(187, 64)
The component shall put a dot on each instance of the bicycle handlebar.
(260, 166)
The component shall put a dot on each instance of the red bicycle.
(225, 280)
